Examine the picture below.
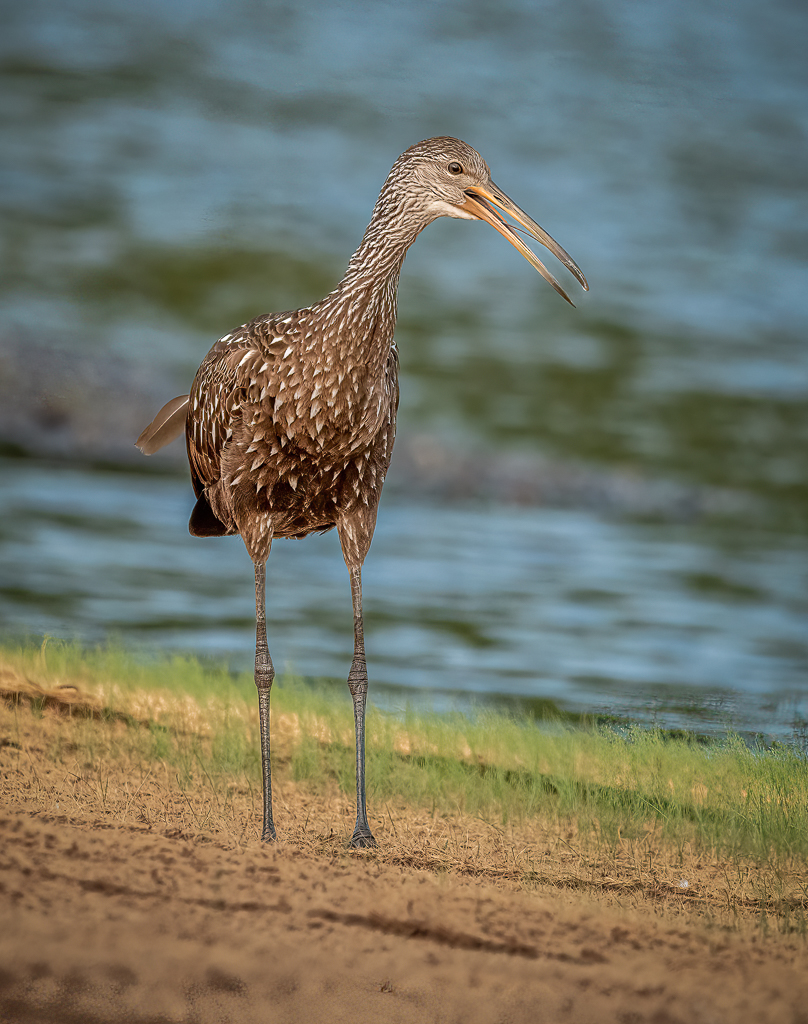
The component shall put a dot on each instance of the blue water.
(662, 623)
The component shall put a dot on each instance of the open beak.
(481, 202)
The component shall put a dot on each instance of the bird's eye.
(455, 168)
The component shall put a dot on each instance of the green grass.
(722, 796)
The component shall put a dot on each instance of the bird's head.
(445, 177)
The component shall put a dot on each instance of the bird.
(291, 418)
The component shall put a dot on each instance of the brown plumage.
(291, 418)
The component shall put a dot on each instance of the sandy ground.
(126, 924)
(109, 914)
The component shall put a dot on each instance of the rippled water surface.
(658, 622)
(170, 171)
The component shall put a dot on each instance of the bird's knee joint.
(263, 676)
(358, 680)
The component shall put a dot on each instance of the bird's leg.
(264, 674)
(358, 685)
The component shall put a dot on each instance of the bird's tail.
(167, 425)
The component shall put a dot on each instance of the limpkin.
(291, 418)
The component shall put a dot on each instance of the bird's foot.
(362, 839)
(268, 835)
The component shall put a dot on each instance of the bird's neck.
(364, 305)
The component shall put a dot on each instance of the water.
(169, 171)
(660, 622)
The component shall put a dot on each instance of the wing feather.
(232, 373)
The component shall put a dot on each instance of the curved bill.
(481, 202)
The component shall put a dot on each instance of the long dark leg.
(264, 674)
(358, 685)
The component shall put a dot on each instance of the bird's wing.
(166, 426)
(235, 371)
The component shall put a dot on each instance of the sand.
(111, 914)
(129, 924)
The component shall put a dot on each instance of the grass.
(587, 807)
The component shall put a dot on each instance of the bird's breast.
(330, 406)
